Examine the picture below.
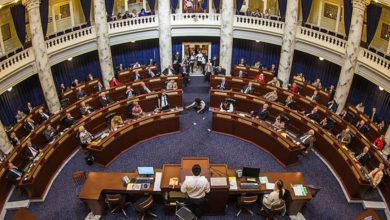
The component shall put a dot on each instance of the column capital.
(360, 4)
(30, 4)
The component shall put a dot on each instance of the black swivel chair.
(245, 202)
(116, 203)
(143, 206)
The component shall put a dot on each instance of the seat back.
(248, 200)
(79, 177)
(114, 200)
(145, 205)
(276, 208)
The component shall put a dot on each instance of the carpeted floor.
(196, 140)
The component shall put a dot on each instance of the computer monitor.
(250, 172)
(145, 171)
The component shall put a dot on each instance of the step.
(374, 205)
(17, 204)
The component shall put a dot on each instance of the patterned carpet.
(195, 140)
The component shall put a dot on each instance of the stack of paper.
(263, 179)
(269, 186)
(218, 181)
(233, 183)
(299, 190)
(157, 181)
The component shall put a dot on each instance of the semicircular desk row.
(245, 127)
(36, 187)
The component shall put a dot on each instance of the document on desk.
(218, 181)
(299, 190)
(232, 183)
(269, 186)
(157, 181)
(263, 179)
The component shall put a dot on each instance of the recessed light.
(257, 41)
(321, 58)
(9, 89)
(133, 41)
(70, 58)
(380, 88)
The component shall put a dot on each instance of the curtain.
(367, 92)
(78, 68)
(306, 6)
(44, 11)
(347, 15)
(141, 51)
(252, 52)
(282, 8)
(239, 5)
(86, 7)
(152, 3)
(174, 5)
(313, 68)
(18, 13)
(204, 5)
(216, 5)
(109, 9)
(28, 90)
(374, 13)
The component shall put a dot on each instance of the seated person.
(379, 142)
(163, 103)
(289, 102)
(116, 122)
(114, 82)
(317, 84)
(260, 79)
(137, 110)
(258, 65)
(241, 74)
(198, 105)
(136, 76)
(360, 125)
(332, 91)
(42, 116)
(332, 105)
(169, 71)
(307, 140)
(313, 115)
(315, 96)
(14, 174)
(151, 62)
(136, 65)
(363, 157)
(294, 88)
(279, 123)
(99, 87)
(68, 121)
(171, 85)
(85, 109)
(14, 139)
(75, 83)
(242, 62)
(62, 89)
(50, 133)
(273, 69)
(248, 89)
(105, 99)
(376, 175)
(89, 77)
(30, 151)
(326, 124)
(226, 106)
(80, 94)
(220, 71)
(29, 108)
(274, 198)
(262, 113)
(19, 115)
(223, 85)
(150, 72)
(274, 82)
(345, 136)
(373, 116)
(381, 125)
(145, 89)
(30, 124)
(360, 107)
(129, 92)
(271, 96)
(84, 136)
(299, 77)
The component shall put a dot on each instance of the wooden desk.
(87, 87)
(127, 76)
(18, 128)
(23, 214)
(367, 213)
(308, 90)
(252, 72)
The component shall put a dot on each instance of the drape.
(174, 5)
(347, 15)
(313, 68)
(18, 13)
(109, 9)
(204, 4)
(238, 6)
(216, 5)
(141, 51)
(252, 52)
(374, 13)
(367, 92)
(152, 3)
(78, 68)
(28, 90)
(282, 8)
(86, 7)
(306, 6)
(44, 11)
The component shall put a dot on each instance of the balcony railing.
(258, 24)
(16, 62)
(126, 25)
(201, 19)
(71, 39)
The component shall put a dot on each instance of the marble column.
(319, 14)
(41, 57)
(5, 144)
(2, 48)
(338, 18)
(72, 23)
(127, 5)
(103, 42)
(288, 44)
(386, 149)
(53, 15)
(165, 38)
(351, 53)
(226, 45)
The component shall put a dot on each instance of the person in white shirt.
(226, 107)
(196, 187)
(199, 105)
(136, 65)
(163, 104)
(274, 198)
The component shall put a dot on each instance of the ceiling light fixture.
(321, 58)
(380, 88)
(9, 89)
(70, 58)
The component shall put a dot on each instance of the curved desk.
(257, 132)
(127, 76)
(18, 128)
(87, 87)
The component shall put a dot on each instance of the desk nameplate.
(113, 108)
(304, 100)
(82, 86)
(111, 139)
(324, 93)
(239, 96)
(258, 101)
(254, 70)
(146, 121)
(167, 116)
(311, 87)
(132, 100)
(55, 118)
(40, 129)
(312, 126)
(151, 96)
(96, 116)
(77, 128)
(172, 93)
(67, 93)
(71, 108)
(295, 116)
(88, 99)
(126, 130)
(278, 107)
(353, 110)
(120, 88)
(224, 116)
(220, 93)
(265, 130)
(154, 80)
(137, 83)
(245, 121)
(338, 120)
(269, 87)
(237, 80)
(172, 77)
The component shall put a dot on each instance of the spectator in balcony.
(189, 6)
(317, 84)
(271, 96)
(379, 143)
(267, 14)
(126, 15)
(273, 69)
(75, 83)
(258, 65)
(19, 115)
(114, 82)
(142, 13)
(256, 13)
(294, 88)
(274, 82)
(260, 79)
(136, 76)
(80, 93)
(360, 107)
(134, 13)
(136, 65)
(118, 16)
(242, 62)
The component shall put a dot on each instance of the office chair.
(78, 180)
(245, 203)
(143, 205)
(277, 209)
(116, 203)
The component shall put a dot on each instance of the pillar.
(226, 45)
(288, 44)
(5, 144)
(338, 18)
(319, 14)
(210, 5)
(386, 149)
(53, 15)
(71, 13)
(265, 5)
(2, 48)
(127, 5)
(351, 53)
(165, 38)
(144, 4)
(41, 58)
(103, 42)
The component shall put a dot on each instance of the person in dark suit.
(150, 72)
(89, 77)
(144, 89)
(262, 113)
(326, 124)
(105, 99)
(242, 62)
(163, 103)
(62, 89)
(373, 115)
(151, 62)
(136, 76)
(80, 93)
(273, 69)
(68, 121)
(30, 124)
(85, 109)
(50, 133)
(220, 71)
(43, 116)
(223, 85)
(29, 108)
(363, 157)
(14, 139)
(307, 140)
(99, 87)
(30, 151)
(129, 92)
(313, 115)
(19, 115)
(332, 105)
(176, 59)
(169, 71)
(315, 96)
(215, 61)
(14, 174)
(248, 89)
(75, 83)
(332, 91)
